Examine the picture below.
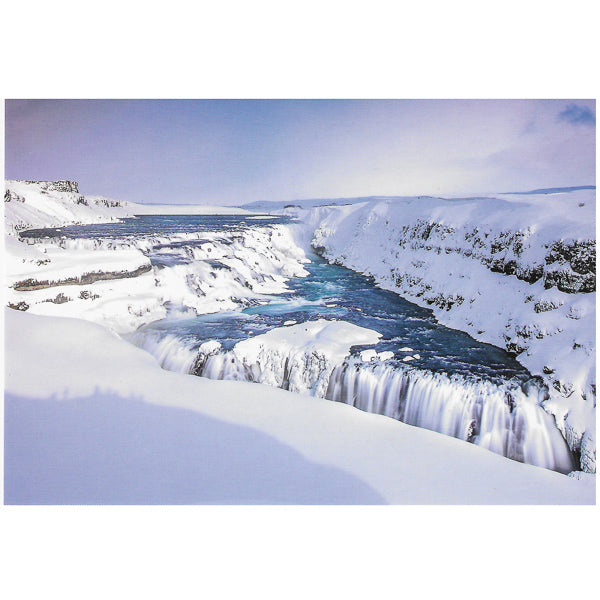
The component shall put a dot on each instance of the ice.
(299, 358)
(367, 355)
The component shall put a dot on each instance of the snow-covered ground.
(516, 270)
(89, 418)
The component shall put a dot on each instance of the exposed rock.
(58, 186)
(570, 282)
(86, 295)
(18, 306)
(574, 266)
(87, 278)
(545, 306)
(60, 299)
(9, 196)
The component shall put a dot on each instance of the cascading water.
(507, 418)
(503, 419)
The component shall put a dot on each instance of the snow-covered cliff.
(43, 204)
(518, 271)
(39, 204)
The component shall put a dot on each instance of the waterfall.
(505, 419)
(299, 372)
(169, 350)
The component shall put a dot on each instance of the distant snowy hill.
(267, 206)
(39, 204)
(271, 206)
(42, 204)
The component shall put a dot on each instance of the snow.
(185, 209)
(35, 206)
(299, 358)
(488, 266)
(57, 265)
(73, 435)
(335, 338)
(57, 277)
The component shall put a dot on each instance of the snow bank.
(517, 271)
(92, 419)
(299, 358)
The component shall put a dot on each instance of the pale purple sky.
(238, 151)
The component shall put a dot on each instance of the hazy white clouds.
(239, 151)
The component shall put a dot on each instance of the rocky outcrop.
(10, 196)
(62, 185)
(46, 204)
(28, 285)
(571, 266)
(568, 265)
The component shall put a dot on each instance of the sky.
(237, 151)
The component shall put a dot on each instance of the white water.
(169, 351)
(503, 419)
(506, 419)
